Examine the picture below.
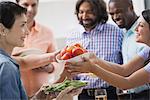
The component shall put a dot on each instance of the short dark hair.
(19, 0)
(126, 3)
(99, 8)
(146, 15)
(8, 13)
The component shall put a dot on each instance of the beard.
(88, 23)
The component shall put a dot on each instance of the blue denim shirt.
(11, 87)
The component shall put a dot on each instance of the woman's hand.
(40, 95)
(52, 56)
(82, 67)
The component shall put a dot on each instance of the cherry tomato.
(63, 51)
(78, 45)
(66, 56)
(77, 51)
(69, 49)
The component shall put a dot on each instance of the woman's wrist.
(92, 68)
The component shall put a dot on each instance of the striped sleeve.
(147, 68)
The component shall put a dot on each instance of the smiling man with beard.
(123, 14)
(96, 36)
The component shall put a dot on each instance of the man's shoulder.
(111, 26)
(77, 30)
(42, 27)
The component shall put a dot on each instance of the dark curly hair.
(99, 9)
(125, 2)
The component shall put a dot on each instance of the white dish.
(74, 59)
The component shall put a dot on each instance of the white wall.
(58, 15)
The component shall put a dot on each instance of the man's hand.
(27, 62)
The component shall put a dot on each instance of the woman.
(130, 75)
(12, 33)
(13, 30)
